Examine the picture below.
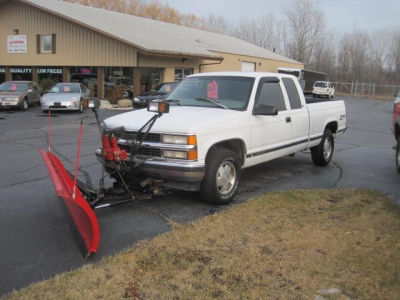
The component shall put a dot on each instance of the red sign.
(212, 90)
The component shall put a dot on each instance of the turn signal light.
(192, 155)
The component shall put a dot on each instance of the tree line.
(301, 34)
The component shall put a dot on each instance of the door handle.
(288, 119)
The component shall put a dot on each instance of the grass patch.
(285, 245)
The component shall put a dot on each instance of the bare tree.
(395, 53)
(305, 26)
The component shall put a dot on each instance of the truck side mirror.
(265, 110)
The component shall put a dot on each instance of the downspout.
(208, 64)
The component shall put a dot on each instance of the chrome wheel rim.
(25, 104)
(327, 150)
(226, 177)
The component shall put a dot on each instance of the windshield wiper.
(175, 101)
(213, 101)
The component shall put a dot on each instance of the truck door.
(270, 135)
(299, 115)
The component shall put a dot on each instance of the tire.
(398, 155)
(313, 95)
(45, 111)
(321, 154)
(217, 187)
(24, 104)
(81, 109)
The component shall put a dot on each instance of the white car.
(65, 96)
(220, 123)
(323, 88)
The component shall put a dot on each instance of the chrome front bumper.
(181, 175)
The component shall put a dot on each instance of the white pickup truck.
(220, 123)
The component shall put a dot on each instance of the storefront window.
(118, 76)
(2, 74)
(182, 73)
(86, 76)
(151, 77)
(47, 77)
(21, 73)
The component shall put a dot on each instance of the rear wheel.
(221, 179)
(322, 154)
(398, 155)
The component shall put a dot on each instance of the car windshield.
(232, 92)
(166, 88)
(65, 88)
(320, 84)
(14, 86)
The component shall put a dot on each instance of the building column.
(168, 75)
(8, 74)
(137, 75)
(100, 83)
(35, 77)
(65, 74)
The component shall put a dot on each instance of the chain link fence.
(370, 89)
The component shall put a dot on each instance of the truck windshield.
(230, 91)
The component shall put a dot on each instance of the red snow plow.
(82, 199)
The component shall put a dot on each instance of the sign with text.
(17, 44)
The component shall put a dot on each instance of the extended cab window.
(292, 92)
(270, 93)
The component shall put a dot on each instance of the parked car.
(396, 128)
(65, 96)
(159, 92)
(220, 123)
(323, 88)
(19, 94)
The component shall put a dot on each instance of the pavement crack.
(23, 182)
(334, 185)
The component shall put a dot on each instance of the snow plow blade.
(82, 214)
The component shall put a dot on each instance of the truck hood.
(180, 119)
(59, 97)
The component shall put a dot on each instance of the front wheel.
(322, 154)
(221, 179)
(24, 104)
(398, 155)
(81, 106)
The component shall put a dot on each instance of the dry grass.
(387, 98)
(284, 245)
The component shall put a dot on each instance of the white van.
(323, 88)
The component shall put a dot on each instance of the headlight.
(136, 99)
(179, 139)
(12, 98)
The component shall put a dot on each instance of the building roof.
(154, 36)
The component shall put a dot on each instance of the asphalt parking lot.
(36, 240)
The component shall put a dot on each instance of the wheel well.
(397, 131)
(235, 145)
(333, 126)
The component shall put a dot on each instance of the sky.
(341, 16)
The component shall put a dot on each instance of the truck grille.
(150, 137)
(147, 151)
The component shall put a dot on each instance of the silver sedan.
(65, 96)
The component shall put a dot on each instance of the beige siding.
(233, 62)
(166, 61)
(75, 44)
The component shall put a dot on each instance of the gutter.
(208, 64)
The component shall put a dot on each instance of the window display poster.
(17, 44)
